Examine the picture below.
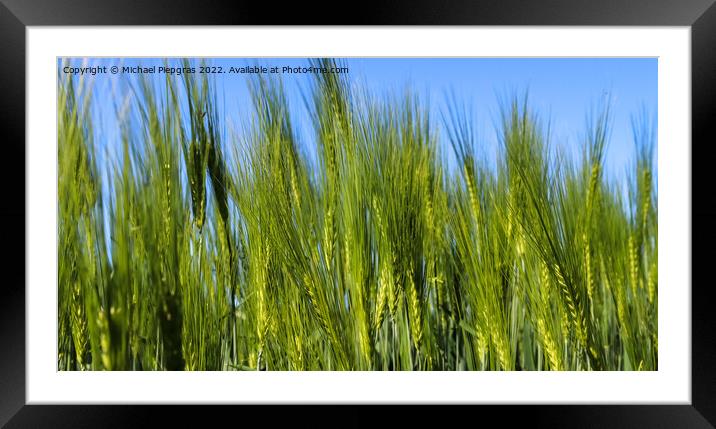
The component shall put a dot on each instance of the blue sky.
(561, 90)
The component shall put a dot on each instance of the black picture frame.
(16, 15)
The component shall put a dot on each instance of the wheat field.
(203, 249)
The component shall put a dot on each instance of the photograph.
(357, 214)
(220, 209)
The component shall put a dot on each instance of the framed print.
(454, 205)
